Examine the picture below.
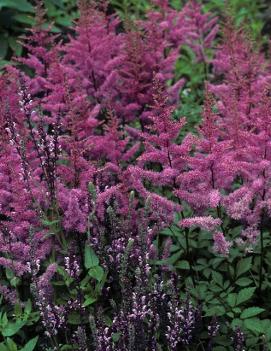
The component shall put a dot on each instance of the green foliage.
(13, 323)
(243, 12)
(130, 8)
(227, 287)
(16, 16)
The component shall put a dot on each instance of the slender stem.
(188, 250)
(261, 260)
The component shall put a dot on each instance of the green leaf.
(13, 328)
(24, 18)
(251, 312)
(4, 63)
(9, 273)
(21, 5)
(11, 345)
(49, 223)
(15, 46)
(218, 278)
(91, 260)
(169, 261)
(231, 299)
(245, 295)
(215, 311)
(254, 325)
(28, 307)
(89, 301)
(243, 266)
(3, 347)
(243, 281)
(30, 345)
(183, 265)
(96, 273)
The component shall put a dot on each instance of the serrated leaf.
(231, 299)
(218, 278)
(245, 295)
(251, 312)
(243, 266)
(91, 259)
(215, 311)
(254, 325)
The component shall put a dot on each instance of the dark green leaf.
(244, 281)
(96, 273)
(30, 346)
(20, 5)
(13, 328)
(243, 266)
(218, 278)
(11, 345)
(251, 312)
(254, 325)
(245, 295)
(89, 301)
(231, 299)
(91, 260)
(183, 265)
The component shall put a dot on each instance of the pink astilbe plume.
(202, 29)
(242, 123)
(161, 152)
(210, 168)
(221, 245)
(206, 223)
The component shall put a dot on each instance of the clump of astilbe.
(144, 59)
(202, 29)
(210, 172)
(190, 26)
(162, 153)
(209, 168)
(91, 58)
(244, 112)
(41, 47)
(245, 75)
